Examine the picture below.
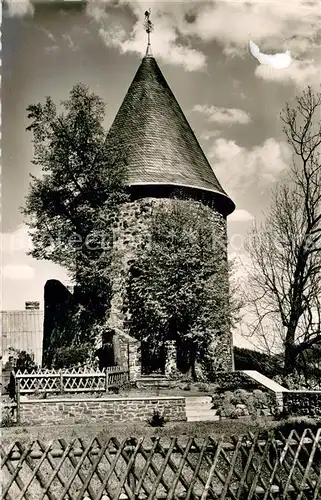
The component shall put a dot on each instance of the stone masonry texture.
(302, 403)
(109, 410)
(129, 231)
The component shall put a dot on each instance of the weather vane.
(149, 27)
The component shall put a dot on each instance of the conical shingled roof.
(163, 150)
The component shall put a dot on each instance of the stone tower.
(163, 158)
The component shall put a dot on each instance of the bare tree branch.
(285, 284)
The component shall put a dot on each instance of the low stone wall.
(302, 403)
(85, 410)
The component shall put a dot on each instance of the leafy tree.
(178, 286)
(71, 356)
(72, 205)
(285, 283)
(248, 359)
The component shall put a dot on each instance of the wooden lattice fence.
(269, 466)
(72, 381)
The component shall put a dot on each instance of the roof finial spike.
(149, 27)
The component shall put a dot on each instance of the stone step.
(198, 403)
(152, 380)
(201, 413)
(198, 409)
(198, 400)
(202, 418)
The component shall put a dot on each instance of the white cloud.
(19, 8)
(223, 115)
(46, 32)
(209, 134)
(239, 168)
(52, 48)
(18, 272)
(299, 72)
(70, 42)
(231, 51)
(114, 36)
(241, 216)
(259, 20)
(274, 24)
(164, 46)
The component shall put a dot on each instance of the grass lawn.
(200, 429)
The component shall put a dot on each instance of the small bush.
(67, 357)
(297, 380)
(203, 387)
(157, 420)
(121, 387)
(243, 403)
(240, 396)
(299, 424)
(228, 410)
(7, 419)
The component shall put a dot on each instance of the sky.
(231, 101)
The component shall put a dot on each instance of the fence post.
(61, 382)
(106, 380)
(18, 400)
(131, 477)
(128, 360)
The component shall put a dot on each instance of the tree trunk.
(290, 352)
(193, 361)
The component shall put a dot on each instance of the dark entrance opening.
(153, 359)
(106, 353)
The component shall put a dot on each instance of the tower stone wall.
(130, 230)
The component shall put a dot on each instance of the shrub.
(7, 419)
(299, 424)
(175, 374)
(124, 386)
(157, 420)
(203, 387)
(67, 357)
(298, 380)
(228, 410)
(240, 396)
(243, 403)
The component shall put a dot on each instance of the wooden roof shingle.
(162, 148)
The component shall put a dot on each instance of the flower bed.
(241, 403)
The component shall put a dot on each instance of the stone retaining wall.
(302, 403)
(66, 411)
